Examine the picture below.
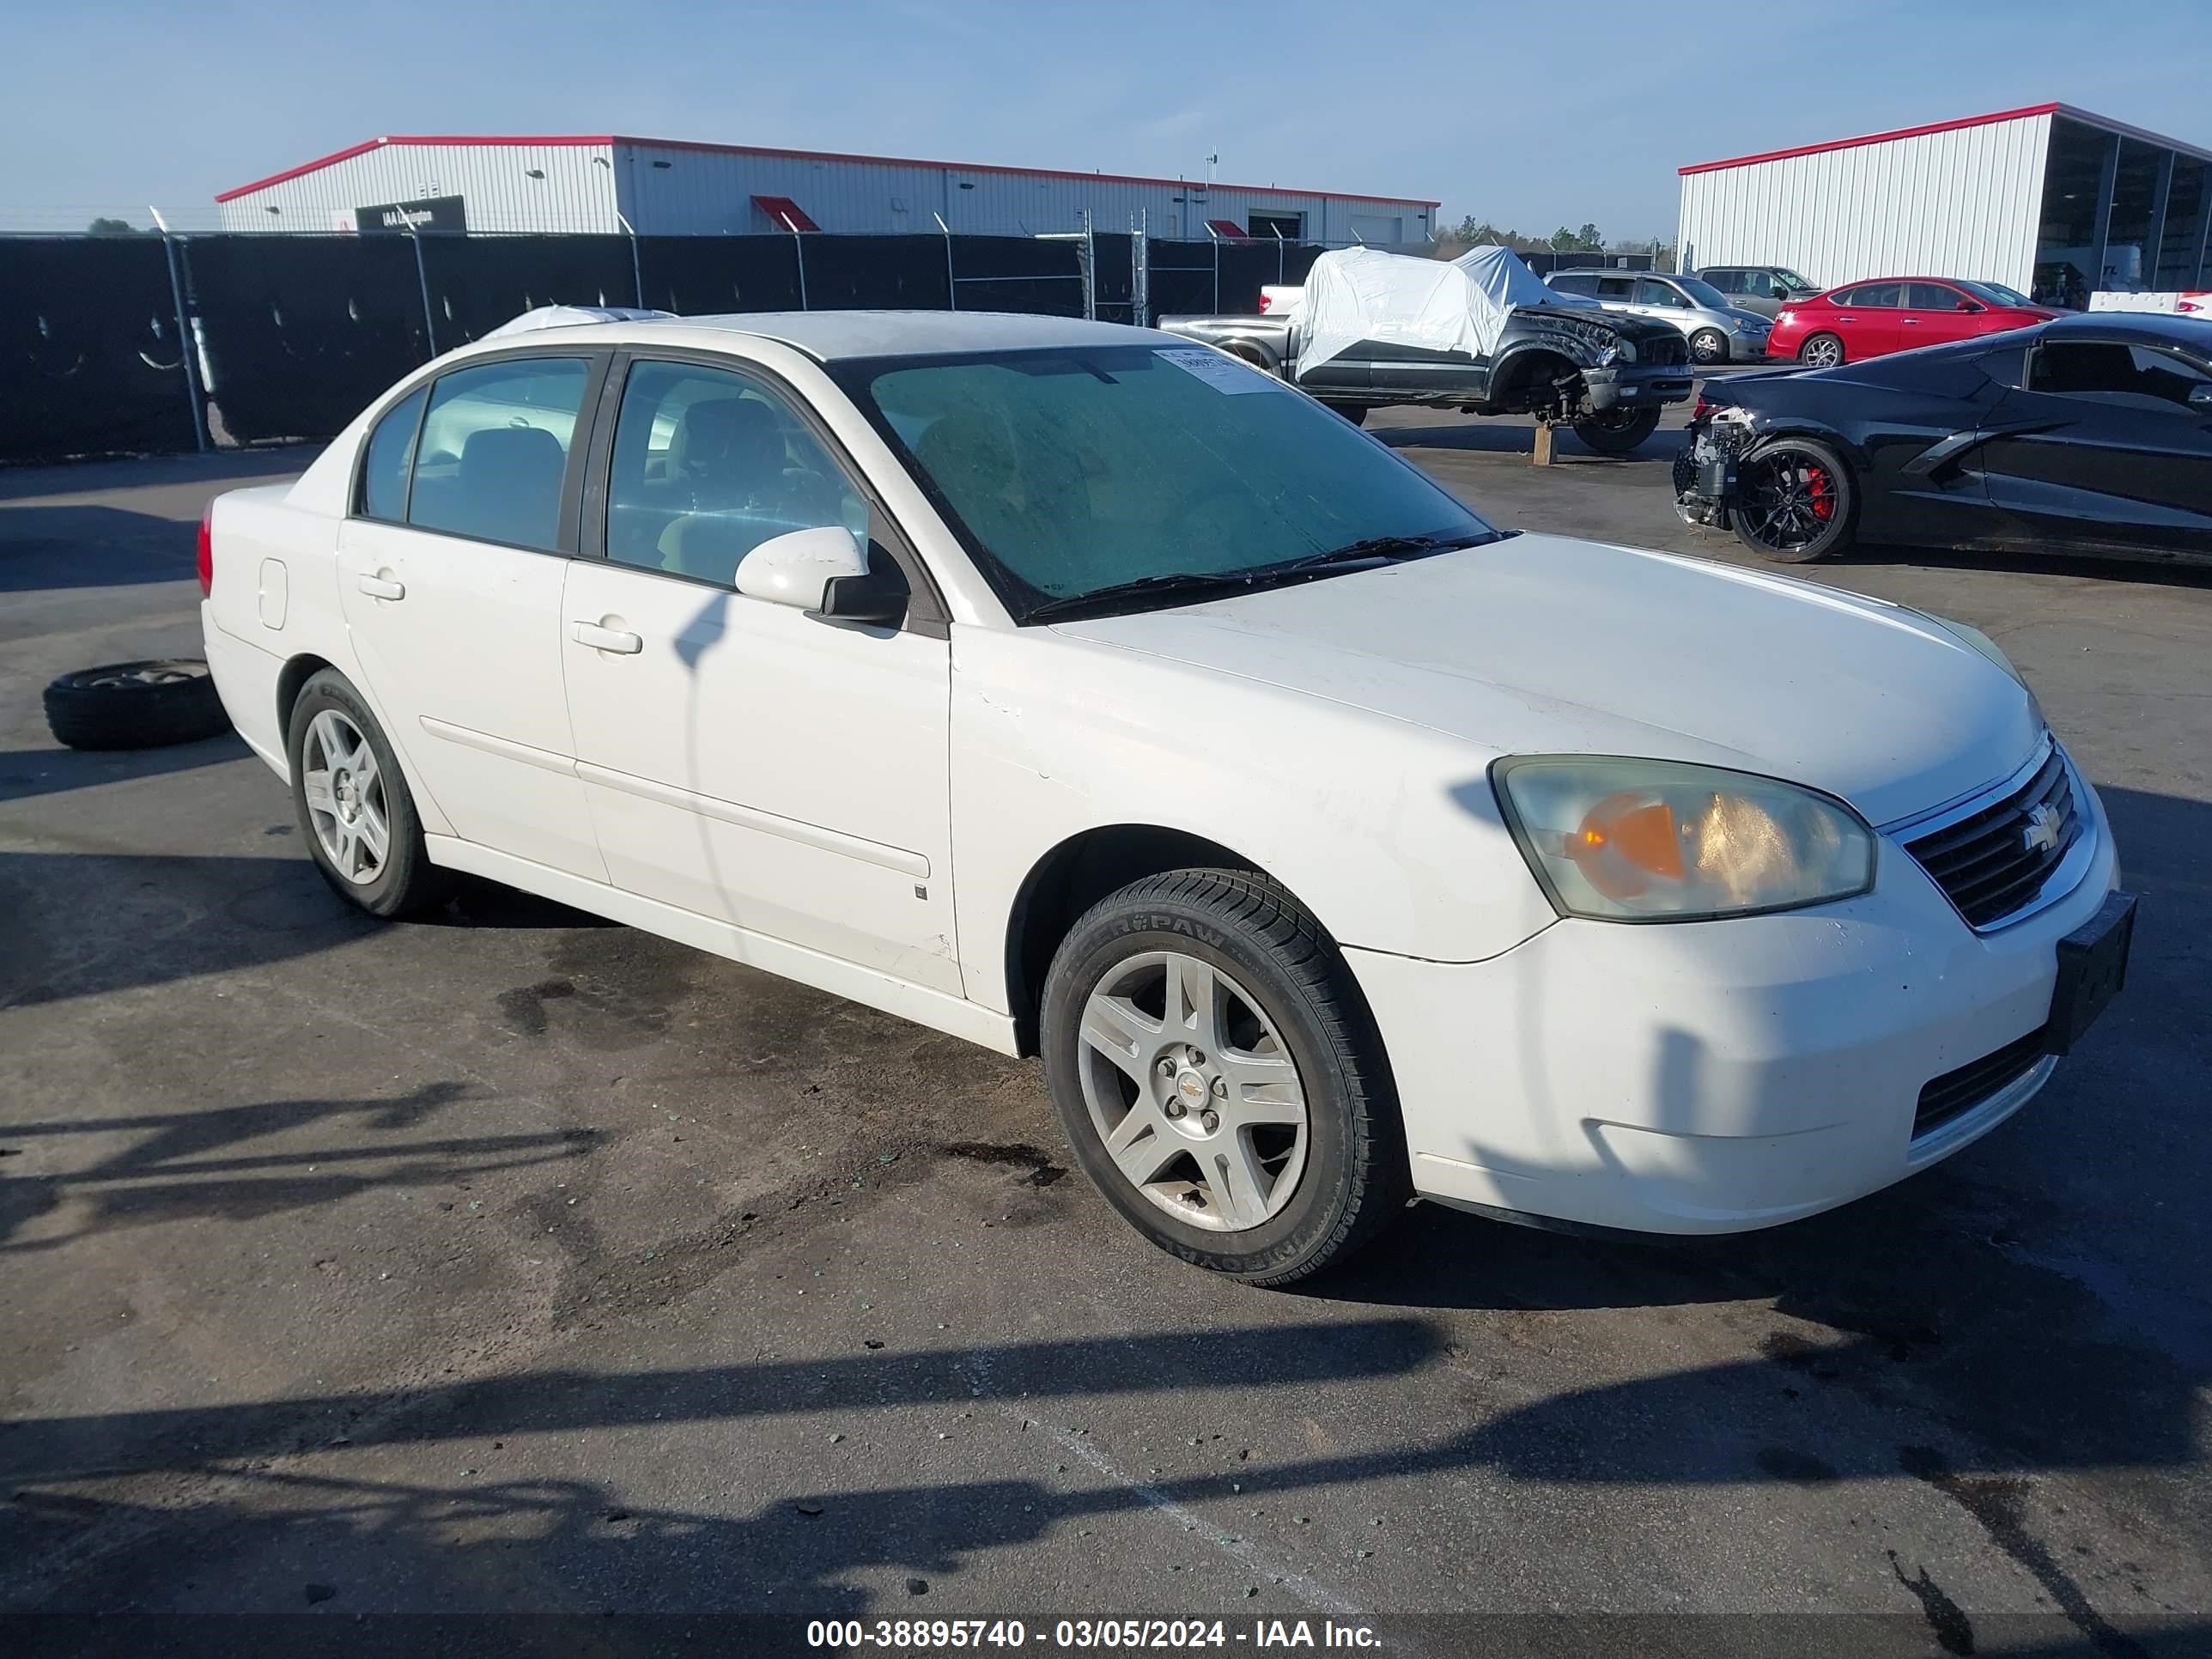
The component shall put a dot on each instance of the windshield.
(1794, 279)
(1998, 294)
(1704, 293)
(1069, 471)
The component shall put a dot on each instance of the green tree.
(107, 226)
(1591, 238)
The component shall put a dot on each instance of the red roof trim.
(1228, 229)
(571, 140)
(787, 213)
(2104, 123)
(1875, 138)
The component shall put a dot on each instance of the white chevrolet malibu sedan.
(1078, 691)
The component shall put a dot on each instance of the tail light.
(1702, 408)
(1267, 303)
(206, 552)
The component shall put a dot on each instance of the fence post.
(1090, 270)
(799, 253)
(187, 342)
(422, 276)
(1210, 231)
(636, 269)
(1141, 270)
(952, 283)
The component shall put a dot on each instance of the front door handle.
(605, 639)
(381, 587)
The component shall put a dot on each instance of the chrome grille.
(1996, 861)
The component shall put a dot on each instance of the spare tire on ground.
(135, 705)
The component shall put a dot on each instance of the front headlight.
(1619, 840)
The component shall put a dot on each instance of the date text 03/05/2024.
(1123, 1634)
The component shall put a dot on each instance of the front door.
(1935, 313)
(745, 761)
(2114, 449)
(450, 579)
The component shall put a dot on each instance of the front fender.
(1386, 831)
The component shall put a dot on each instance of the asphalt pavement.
(515, 1263)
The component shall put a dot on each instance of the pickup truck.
(1606, 374)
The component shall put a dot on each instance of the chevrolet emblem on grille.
(2042, 832)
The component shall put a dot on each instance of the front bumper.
(1637, 384)
(1746, 348)
(1716, 1077)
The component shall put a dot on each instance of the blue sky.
(1528, 116)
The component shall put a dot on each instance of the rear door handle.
(605, 639)
(381, 587)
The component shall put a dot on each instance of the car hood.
(1543, 645)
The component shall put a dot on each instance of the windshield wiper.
(1370, 549)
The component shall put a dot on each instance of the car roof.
(835, 336)
(2193, 334)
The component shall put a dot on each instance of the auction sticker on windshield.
(1223, 374)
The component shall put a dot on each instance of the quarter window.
(493, 450)
(1616, 288)
(2110, 372)
(391, 447)
(708, 464)
(1574, 283)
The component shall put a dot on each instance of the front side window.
(493, 450)
(708, 464)
(2131, 375)
(1932, 296)
(391, 448)
(1071, 473)
(1649, 293)
(1760, 284)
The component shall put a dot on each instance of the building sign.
(432, 213)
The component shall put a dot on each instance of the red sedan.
(1895, 313)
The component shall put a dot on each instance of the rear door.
(1866, 319)
(450, 573)
(2114, 449)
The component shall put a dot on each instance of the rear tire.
(1616, 431)
(135, 705)
(1821, 351)
(1355, 413)
(1205, 1026)
(354, 806)
(1796, 501)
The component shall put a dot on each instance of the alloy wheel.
(1193, 1092)
(1789, 500)
(346, 802)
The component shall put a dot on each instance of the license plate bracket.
(2093, 967)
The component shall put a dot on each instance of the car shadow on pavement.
(2161, 572)
(26, 772)
(46, 546)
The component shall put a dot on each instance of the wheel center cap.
(1191, 1086)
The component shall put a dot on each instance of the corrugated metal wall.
(669, 190)
(1964, 202)
(672, 189)
(577, 192)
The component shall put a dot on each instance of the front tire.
(1796, 501)
(1219, 1078)
(1616, 431)
(1709, 345)
(354, 806)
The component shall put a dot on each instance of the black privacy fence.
(138, 345)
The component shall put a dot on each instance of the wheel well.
(1526, 369)
(290, 680)
(1074, 876)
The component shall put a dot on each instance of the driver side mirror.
(826, 573)
(1971, 305)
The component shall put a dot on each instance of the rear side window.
(494, 451)
(391, 447)
(1873, 296)
(2132, 376)
(1728, 281)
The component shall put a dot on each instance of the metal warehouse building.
(2051, 200)
(660, 187)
